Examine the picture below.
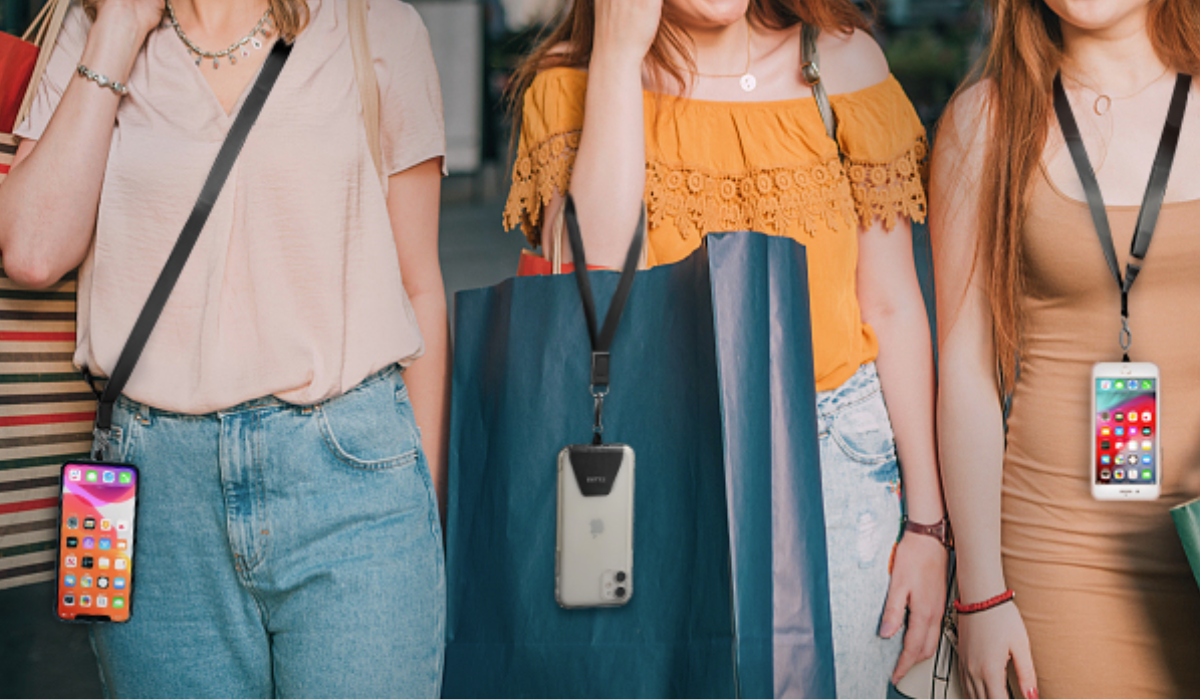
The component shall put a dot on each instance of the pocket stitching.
(847, 449)
(327, 436)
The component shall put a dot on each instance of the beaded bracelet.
(985, 605)
(102, 80)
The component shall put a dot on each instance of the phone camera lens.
(621, 592)
(620, 577)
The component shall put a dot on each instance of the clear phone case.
(594, 563)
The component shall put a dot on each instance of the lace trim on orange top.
(812, 198)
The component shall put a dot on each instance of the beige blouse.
(294, 287)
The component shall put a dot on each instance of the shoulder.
(396, 20)
(851, 61)
(966, 124)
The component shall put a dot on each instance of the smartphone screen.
(1126, 430)
(95, 549)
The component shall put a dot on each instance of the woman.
(288, 537)
(1105, 604)
(672, 119)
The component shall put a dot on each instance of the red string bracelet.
(985, 605)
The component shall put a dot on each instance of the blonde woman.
(288, 538)
(1105, 604)
(700, 109)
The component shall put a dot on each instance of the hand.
(137, 18)
(625, 29)
(918, 586)
(986, 642)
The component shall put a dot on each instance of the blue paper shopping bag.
(712, 386)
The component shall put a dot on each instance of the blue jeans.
(860, 479)
(281, 551)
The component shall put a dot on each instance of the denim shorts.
(860, 480)
(281, 551)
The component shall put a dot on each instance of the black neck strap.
(602, 339)
(221, 168)
(1156, 189)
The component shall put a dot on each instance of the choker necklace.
(1104, 102)
(746, 78)
(261, 29)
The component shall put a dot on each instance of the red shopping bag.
(17, 61)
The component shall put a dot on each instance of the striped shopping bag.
(46, 409)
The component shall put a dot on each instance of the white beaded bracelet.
(102, 81)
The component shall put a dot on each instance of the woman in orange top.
(699, 109)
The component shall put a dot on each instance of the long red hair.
(1019, 68)
(569, 42)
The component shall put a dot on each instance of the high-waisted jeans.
(281, 551)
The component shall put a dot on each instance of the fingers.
(1022, 660)
(893, 611)
(920, 641)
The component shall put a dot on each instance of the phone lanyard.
(1156, 191)
(602, 340)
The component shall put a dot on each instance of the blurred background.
(930, 44)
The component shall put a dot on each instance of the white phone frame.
(1127, 491)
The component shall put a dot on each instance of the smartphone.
(97, 518)
(1127, 441)
(594, 562)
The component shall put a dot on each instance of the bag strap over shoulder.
(812, 74)
(43, 33)
(368, 86)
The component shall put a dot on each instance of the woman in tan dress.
(1105, 603)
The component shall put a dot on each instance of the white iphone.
(594, 562)
(1126, 431)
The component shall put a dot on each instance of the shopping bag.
(46, 409)
(1187, 522)
(712, 387)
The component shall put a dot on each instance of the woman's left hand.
(919, 587)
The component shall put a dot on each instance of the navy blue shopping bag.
(712, 386)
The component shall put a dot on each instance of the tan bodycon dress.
(1111, 607)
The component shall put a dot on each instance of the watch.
(940, 531)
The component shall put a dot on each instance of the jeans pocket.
(372, 427)
(863, 431)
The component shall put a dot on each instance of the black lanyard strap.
(602, 339)
(1156, 189)
(221, 168)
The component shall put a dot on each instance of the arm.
(891, 301)
(413, 197)
(48, 202)
(608, 182)
(970, 424)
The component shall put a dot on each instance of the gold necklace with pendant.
(746, 78)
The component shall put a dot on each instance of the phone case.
(594, 562)
(1128, 491)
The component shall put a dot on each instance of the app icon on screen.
(105, 543)
(119, 583)
(1119, 385)
(1120, 459)
(92, 475)
(1147, 384)
(85, 601)
(102, 582)
(1146, 474)
(74, 474)
(120, 564)
(68, 600)
(125, 478)
(1119, 474)
(87, 562)
(85, 582)
(105, 524)
(1133, 416)
(1105, 415)
(1106, 431)
(1133, 474)
(122, 526)
(1119, 430)
(110, 477)
(1105, 385)
(72, 522)
(89, 542)
(118, 602)
(1146, 445)
(70, 561)
(1106, 445)
(122, 545)
(1119, 417)
(101, 601)
(104, 562)
(1146, 459)
(1146, 430)
(89, 523)
(1146, 417)
(72, 542)
(1105, 459)
(69, 581)
(1105, 474)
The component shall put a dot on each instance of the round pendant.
(748, 82)
(256, 42)
(1104, 100)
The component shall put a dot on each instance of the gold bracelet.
(101, 80)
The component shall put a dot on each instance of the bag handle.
(811, 69)
(157, 301)
(368, 86)
(558, 232)
(42, 32)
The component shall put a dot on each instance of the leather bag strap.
(812, 75)
(157, 301)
